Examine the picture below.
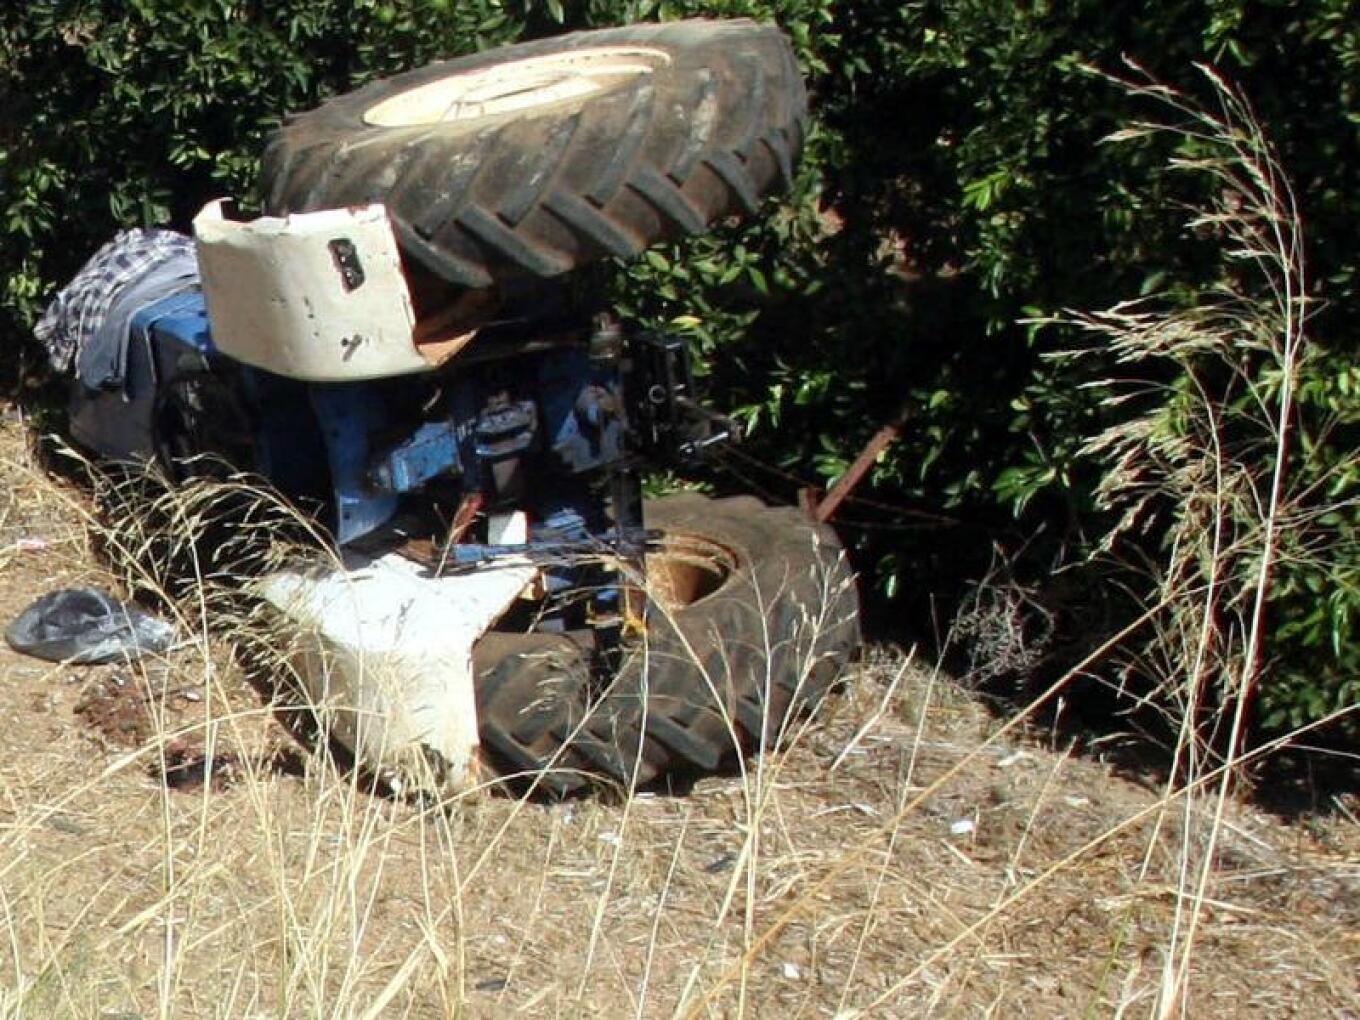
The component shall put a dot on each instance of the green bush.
(957, 185)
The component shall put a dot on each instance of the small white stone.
(962, 827)
(792, 972)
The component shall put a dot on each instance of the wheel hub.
(517, 86)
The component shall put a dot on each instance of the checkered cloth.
(76, 314)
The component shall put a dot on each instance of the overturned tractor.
(400, 346)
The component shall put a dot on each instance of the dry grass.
(907, 855)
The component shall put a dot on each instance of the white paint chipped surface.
(278, 298)
(385, 652)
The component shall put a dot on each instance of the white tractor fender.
(318, 296)
(383, 650)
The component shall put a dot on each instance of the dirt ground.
(899, 859)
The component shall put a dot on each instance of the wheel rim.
(517, 86)
(685, 569)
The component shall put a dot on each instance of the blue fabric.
(79, 310)
(101, 362)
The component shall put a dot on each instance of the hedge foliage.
(955, 184)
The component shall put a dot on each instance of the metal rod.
(830, 503)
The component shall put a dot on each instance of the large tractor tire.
(754, 614)
(532, 160)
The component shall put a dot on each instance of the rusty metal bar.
(822, 511)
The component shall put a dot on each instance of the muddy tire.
(763, 615)
(534, 159)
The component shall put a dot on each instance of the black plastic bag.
(87, 626)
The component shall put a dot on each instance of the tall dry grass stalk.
(1200, 454)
